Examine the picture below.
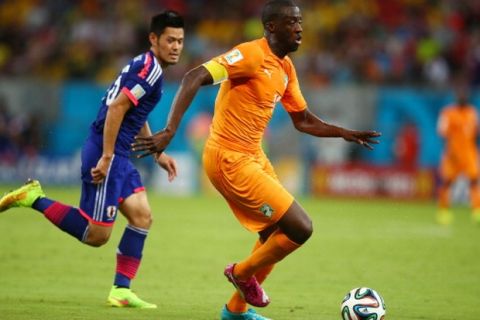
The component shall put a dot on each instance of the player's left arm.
(145, 130)
(165, 161)
(307, 122)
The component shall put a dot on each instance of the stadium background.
(388, 65)
(383, 65)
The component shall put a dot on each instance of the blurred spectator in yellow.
(348, 41)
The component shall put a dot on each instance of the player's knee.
(306, 230)
(97, 241)
(296, 224)
(300, 231)
(96, 244)
(143, 220)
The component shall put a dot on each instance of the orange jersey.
(459, 127)
(257, 79)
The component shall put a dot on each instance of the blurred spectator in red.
(407, 146)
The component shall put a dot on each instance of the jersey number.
(113, 91)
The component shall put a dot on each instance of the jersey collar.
(266, 48)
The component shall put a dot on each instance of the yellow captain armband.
(218, 71)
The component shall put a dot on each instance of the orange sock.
(263, 273)
(444, 197)
(277, 247)
(237, 304)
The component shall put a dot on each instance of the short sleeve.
(242, 61)
(140, 79)
(292, 100)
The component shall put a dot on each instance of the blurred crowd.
(420, 42)
(20, 135)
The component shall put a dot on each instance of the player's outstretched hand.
(155, 143)
(364, 138)
(168, 164)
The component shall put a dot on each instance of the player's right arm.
(115, 114)
(191, 83)
(242, 61)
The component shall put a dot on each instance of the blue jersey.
(141, 80)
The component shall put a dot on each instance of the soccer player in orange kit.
(254, 76)
(458, 126)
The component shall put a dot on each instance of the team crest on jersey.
(233, 56)
(266, 210)
(138, 91)
(111, 212)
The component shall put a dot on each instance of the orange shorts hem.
(249, 184)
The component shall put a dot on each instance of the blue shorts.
(99, 202)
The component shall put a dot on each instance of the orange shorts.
(249, 184)
(452, 166)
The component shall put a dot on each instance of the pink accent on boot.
(249, 289)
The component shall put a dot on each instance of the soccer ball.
(363, 304)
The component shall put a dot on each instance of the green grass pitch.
(423, 271)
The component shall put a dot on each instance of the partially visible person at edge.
(254, 76)
(458, 126)
(110, 182)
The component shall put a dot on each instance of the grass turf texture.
(423, 271)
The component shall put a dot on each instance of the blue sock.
(129, 255)
(41, 204)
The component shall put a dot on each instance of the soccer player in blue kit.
(110, 182)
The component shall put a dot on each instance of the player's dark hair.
(168, 18)
(272, 9)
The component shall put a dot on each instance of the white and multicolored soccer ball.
(363, 304)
